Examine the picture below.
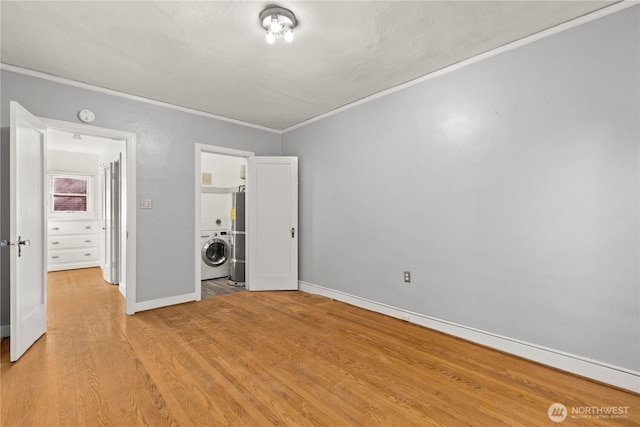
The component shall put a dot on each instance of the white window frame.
(89, 213)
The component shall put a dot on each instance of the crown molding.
(87, 86)
(600, 13)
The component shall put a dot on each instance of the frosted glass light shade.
(270, 37)
(288, 35)
(278, 22)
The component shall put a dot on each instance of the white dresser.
(73, 244)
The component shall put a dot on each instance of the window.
(70, 193)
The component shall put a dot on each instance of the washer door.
(215, 252)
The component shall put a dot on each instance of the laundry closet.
(222, 217)
(84, 202)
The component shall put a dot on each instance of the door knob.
(21, 242)
(293, 233)
(5, 243)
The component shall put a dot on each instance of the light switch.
(145, 203)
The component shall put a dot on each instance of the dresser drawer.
(70, 242)
(73, 255)
(72, 227)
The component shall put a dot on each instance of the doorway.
(113, 199)
(219, 174)
(83, 228)
(271, 215)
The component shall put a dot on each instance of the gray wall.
(509, 188)
(165, 172)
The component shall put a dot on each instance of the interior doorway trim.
(128, 259)
(199, 149)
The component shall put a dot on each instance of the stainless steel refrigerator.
(237, 261)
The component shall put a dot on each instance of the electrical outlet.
(407, 277)
(145, 203)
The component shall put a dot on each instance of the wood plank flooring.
(271, 358)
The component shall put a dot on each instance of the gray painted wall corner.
(509, 188)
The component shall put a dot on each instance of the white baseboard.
(164, 302)
(141, 306)
(599, 371)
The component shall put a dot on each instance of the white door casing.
(28, 275)
(272, 223)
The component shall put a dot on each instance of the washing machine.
(214, 254)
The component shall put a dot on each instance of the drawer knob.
(55, 228)
(87, 254)
(87, 241)
(88, 227)
(55, 243)
(55, 257)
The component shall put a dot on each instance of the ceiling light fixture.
(278, 22)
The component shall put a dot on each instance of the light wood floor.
(274, 358)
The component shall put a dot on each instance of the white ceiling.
(60, 140)
(212, 55)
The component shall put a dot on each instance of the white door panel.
(272, 228)
(106, 224)
(27, 218)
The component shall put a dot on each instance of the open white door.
(111, 218)
(28, 147)
(272, 223)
